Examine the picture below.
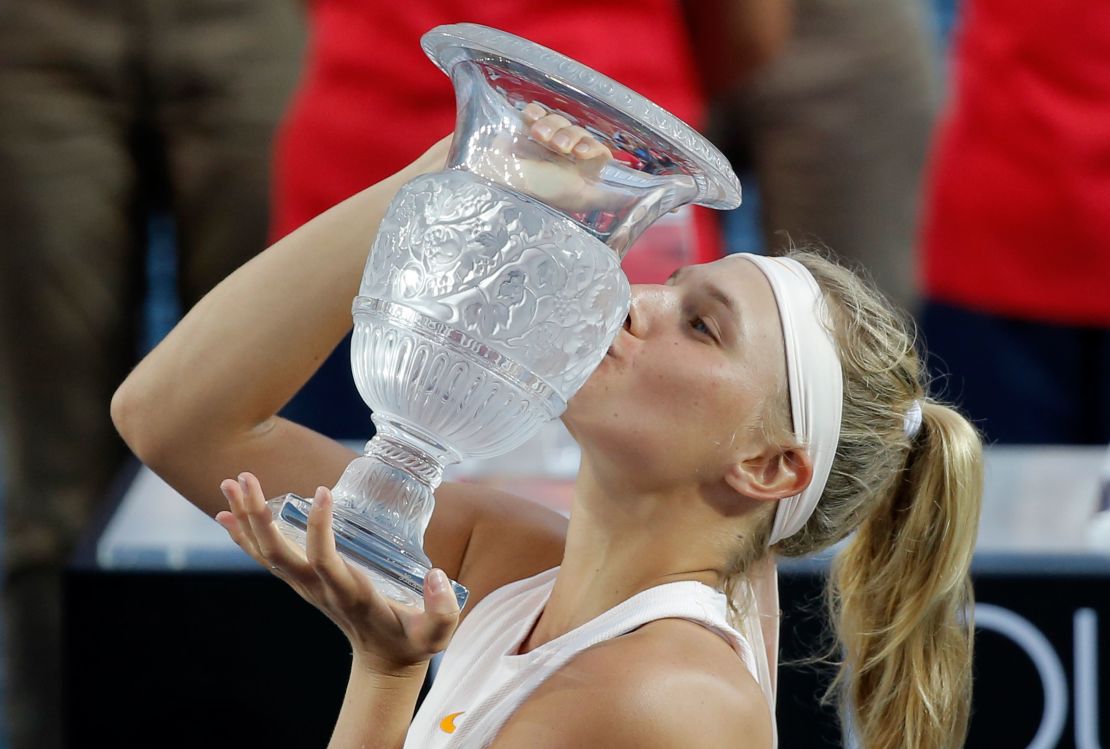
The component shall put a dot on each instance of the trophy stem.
(383, 503)
(391, 484)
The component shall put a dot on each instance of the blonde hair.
(900, 598)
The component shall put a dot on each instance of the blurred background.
(958, 151)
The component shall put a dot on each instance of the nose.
(652, 305)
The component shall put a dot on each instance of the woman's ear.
(774, 474)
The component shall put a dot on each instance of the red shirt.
(1017, 219)
(371, 101)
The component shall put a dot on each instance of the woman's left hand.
(389, 638)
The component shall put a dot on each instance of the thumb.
(441, 609)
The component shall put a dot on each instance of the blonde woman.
(751, 408)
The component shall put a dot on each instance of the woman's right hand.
(565, 171)
(388, 638)
(562, 168)
(569, 182)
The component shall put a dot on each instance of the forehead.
(759, 347)
(745, 283)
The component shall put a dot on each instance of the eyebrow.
(723, 298)
(711, 289)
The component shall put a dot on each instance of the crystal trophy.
(493, 288)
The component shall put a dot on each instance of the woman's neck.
(620, 546)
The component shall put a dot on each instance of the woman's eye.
(700, 326)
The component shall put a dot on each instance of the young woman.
(751, 408)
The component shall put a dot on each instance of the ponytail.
(899, 593)
(901, 600)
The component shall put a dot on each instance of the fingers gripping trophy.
(493, 288)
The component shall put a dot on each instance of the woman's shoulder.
(669, 683)
(689, 656)
(511, 539)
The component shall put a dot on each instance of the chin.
(569, 417)
(581, 412)
(586, 397)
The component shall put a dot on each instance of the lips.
(626, 328)
(612, 347)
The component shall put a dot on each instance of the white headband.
(814, 377)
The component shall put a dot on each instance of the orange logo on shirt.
(447, 725)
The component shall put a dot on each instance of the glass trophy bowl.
(493, 289)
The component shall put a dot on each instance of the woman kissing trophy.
(493, 288)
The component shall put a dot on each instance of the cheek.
(696, 396)
(672, 397)
(660, 421)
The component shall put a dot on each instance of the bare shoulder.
(511, 538)
(671, 683)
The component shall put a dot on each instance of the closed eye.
(699, 325)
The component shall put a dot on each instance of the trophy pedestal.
(396, 571)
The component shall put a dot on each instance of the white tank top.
(480, 682)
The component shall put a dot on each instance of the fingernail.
(543, 131)
(582, 149)
(437, 581)
(323, 496)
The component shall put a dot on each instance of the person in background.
(371, 100)
(830, 105)
(1015, 246)
(109, 112)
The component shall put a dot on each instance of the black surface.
(198, 660)
(222, 659)
(233, 660)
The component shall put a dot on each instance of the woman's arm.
(202, 406)
(377, 709)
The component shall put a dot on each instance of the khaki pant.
(836, 128)
(109, 110)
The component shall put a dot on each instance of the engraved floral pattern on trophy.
(480, 313)
(506, 271)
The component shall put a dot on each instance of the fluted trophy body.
(493, 289)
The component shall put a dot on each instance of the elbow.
(125, 417)
(132, 418)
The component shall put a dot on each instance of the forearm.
(377, 709)
(255, 339)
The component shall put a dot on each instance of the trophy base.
(396, 573)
